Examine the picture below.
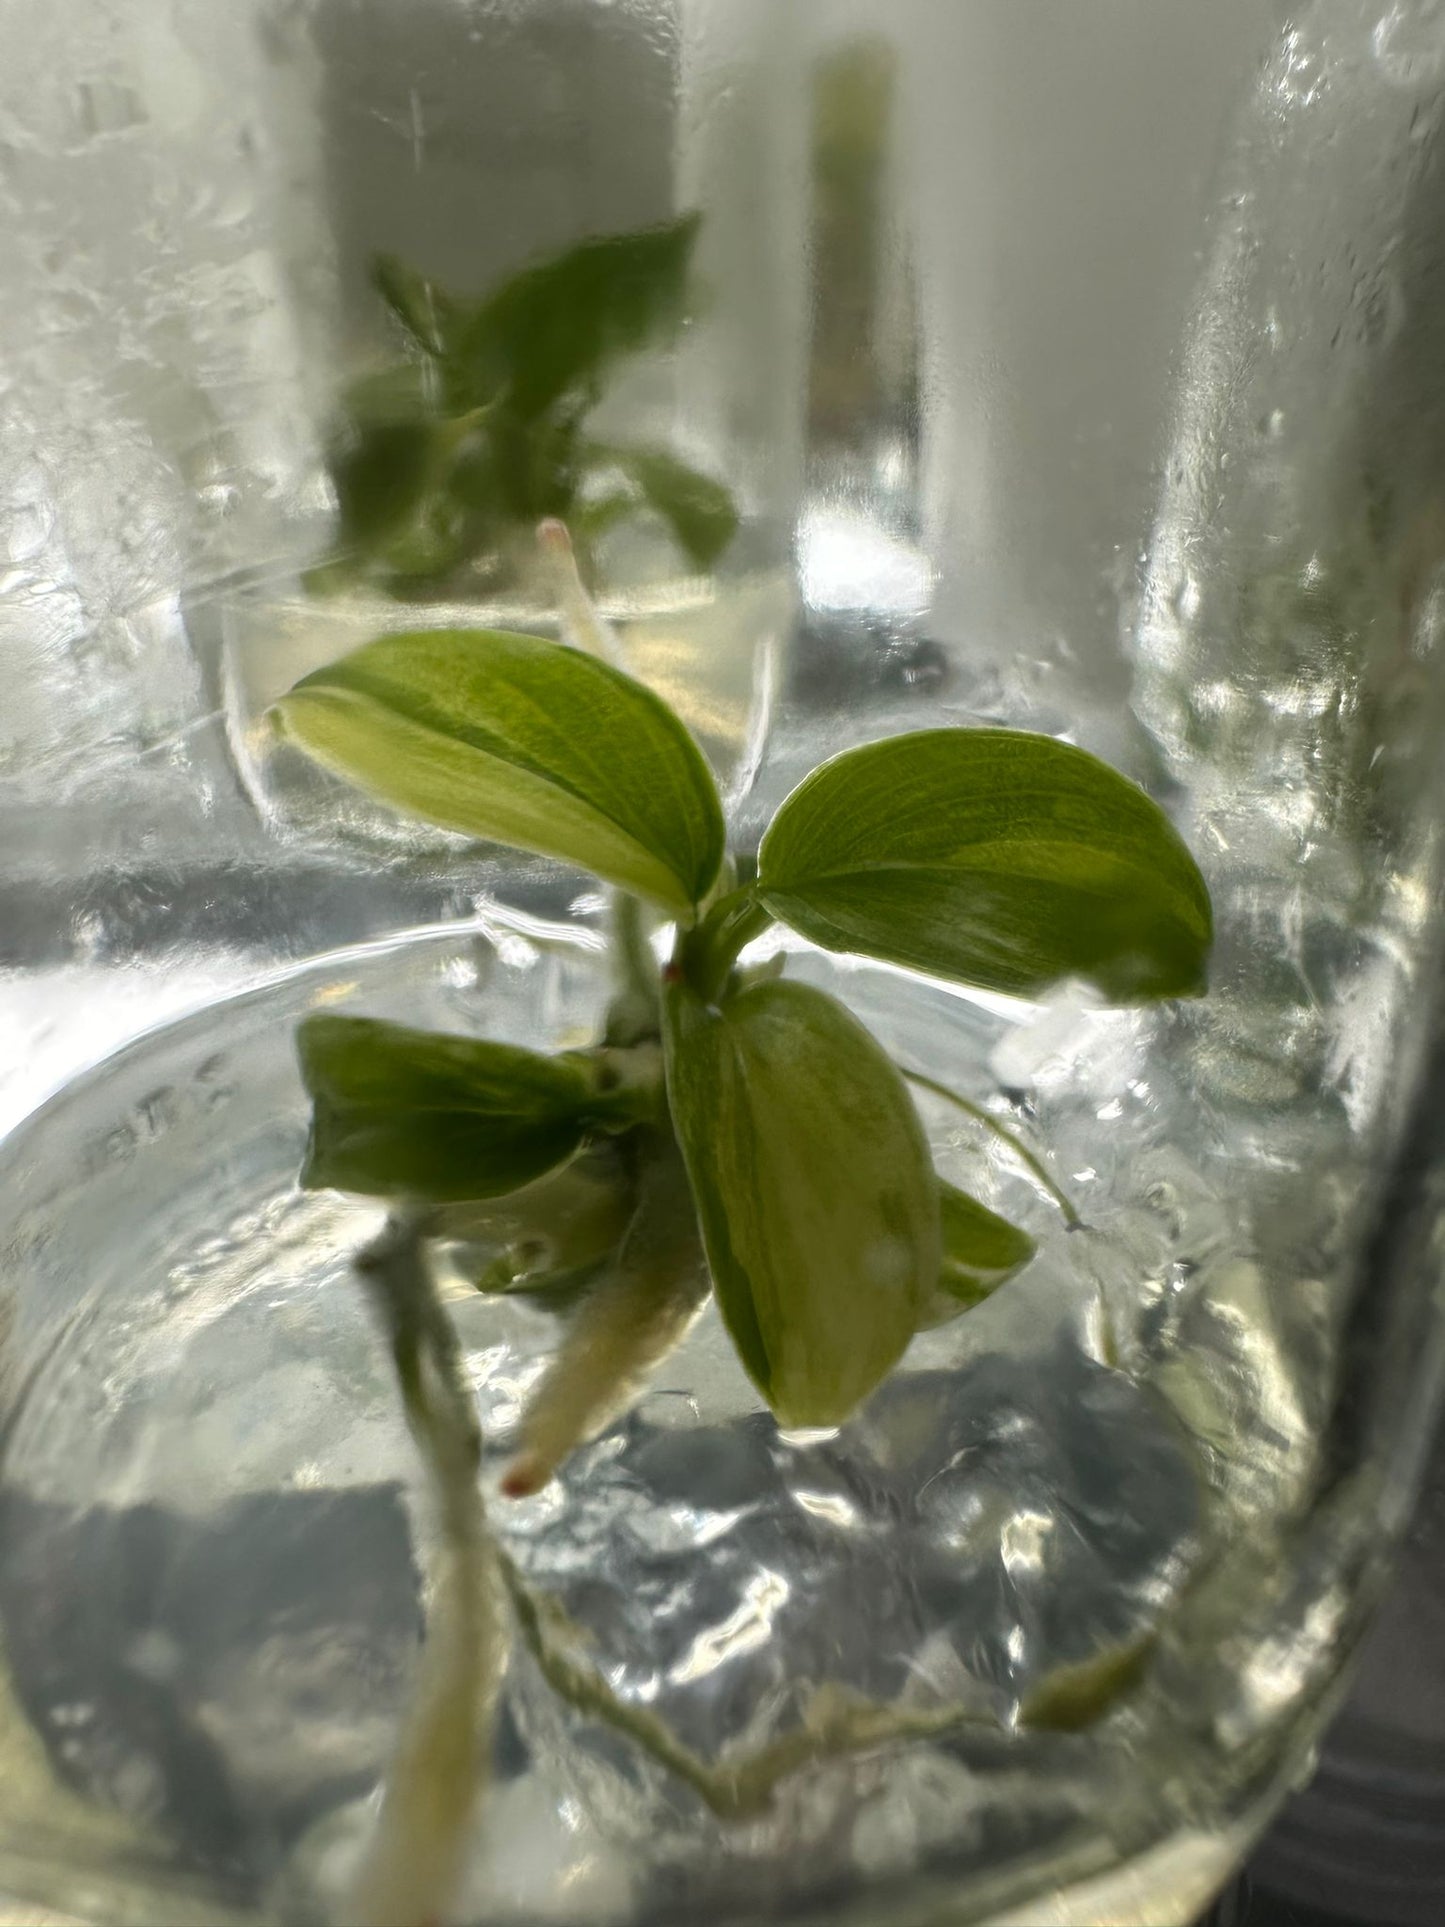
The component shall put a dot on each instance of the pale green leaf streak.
(816, 1196)
(994, 857)
(525, 742)
(997, 1129)
(981, 1251)
(402, 1113)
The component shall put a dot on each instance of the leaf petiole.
(705, 955)
(1005, 1136)
(635, 1012)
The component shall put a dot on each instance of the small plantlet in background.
(444, 461)
(730, 1133)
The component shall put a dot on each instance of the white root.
(631, 1319)
(412, 1869)
(582, 625)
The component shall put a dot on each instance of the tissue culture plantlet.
(730, 1132)
(444, 460)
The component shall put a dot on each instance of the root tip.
(524, 1477)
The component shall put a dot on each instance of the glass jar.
(1069, 368)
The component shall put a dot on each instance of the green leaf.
(814, 1190)
(993, 857)
(981, 1251)
(590, 520)
(557, 326)
(390, 467)
(535, 462)
(428, 548)
(400, 1113)
(699, 511)
(474, 483)
(382, 477)
(403, 391)
(524, 742)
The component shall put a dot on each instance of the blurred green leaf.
(699, 511)
(401, 1113)
(381, 478)
(437, 540)
(404, 486)
(993, 857)
(591, 520)
(981, 1251)
(474, 483)
(1074, 1697)
(815, 1193)
(424, 308)
(535, 462)
(445, 455)
(557, 326)
(525, 742)
(403, 391)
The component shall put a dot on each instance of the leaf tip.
(311, 1177)
(279, 716)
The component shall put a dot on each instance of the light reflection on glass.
(743, 1631)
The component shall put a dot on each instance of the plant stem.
(706, 955)
(413, 1865)
(1005, 1136)
(633, 954)
(634, 1013)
